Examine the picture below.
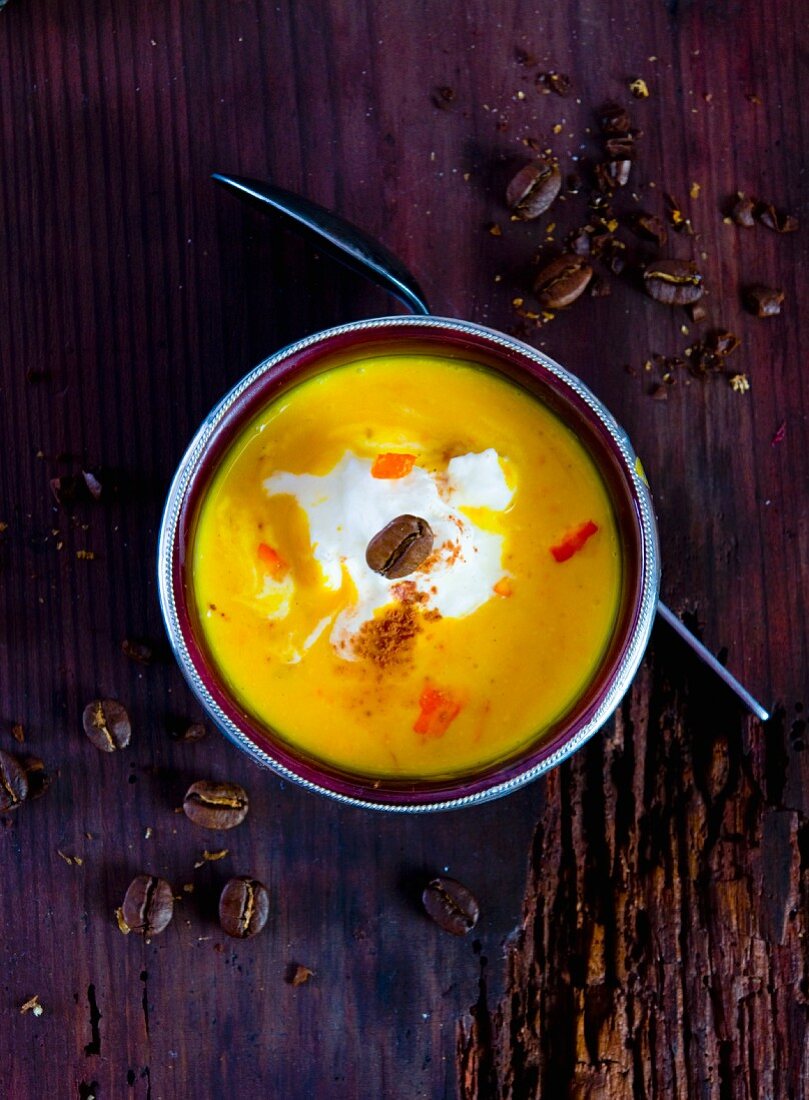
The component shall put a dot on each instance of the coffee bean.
(106, 723)
(148, 905)
(243, 907)
(618, 171)
(614, 120)
(400, 547)
(743, 211)
(562, 281)
(777, 220)
(763, 301)
(195, 732)
(13, 783)
(533, 189)
(451, 906)
(215, 805)
(38, 778)
(621, 148)
(650, 228)
(673, 282)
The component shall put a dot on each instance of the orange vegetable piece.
(503, 587)
(574, 540)
(391, 465)
(272, 560)
(439, 708)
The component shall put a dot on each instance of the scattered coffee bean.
(215, 805)
(451, 906)
(743, 210)
(195, 732)
(697, 312)
(400, 547)
(614, 120)
(139, 652)
(673, 282)
(38, 778)
(776, 220)
(533, 189)
(650, 228)
(148, 905)
(721, 342)
(555, 82)
(13, 783)
(106, 723)
(621, 148)
(763, 301)
(618, 172)
(243, 907)
(562, 281)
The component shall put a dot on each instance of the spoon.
(363, 254)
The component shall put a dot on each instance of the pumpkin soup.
(406, 567)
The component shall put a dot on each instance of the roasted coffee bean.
(721, 342)
(215, 805)
(650, 228)
(555, 82)
(621, 148)
(148, 905)
(614, 120)
(106, 723)
(743, 211)
(533, 189)
(243, 907)
(195, 732)
(763, 301)
(673, 282)
(13, 783)
(451, 906)
(562, 281)
(38, 778)
(776, 220)
(618, 172)
(94, 486)
(400, 547)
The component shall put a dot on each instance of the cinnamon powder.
(389, 638)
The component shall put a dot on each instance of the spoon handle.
(668, 616)
(337, 236)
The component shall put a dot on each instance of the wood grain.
(135, 294)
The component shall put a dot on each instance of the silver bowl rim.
(649, 569)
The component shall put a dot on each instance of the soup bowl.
(536, 375)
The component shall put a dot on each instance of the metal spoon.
(363, 254)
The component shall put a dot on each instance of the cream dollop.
(346, 507)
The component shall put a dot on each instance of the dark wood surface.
(650, 939)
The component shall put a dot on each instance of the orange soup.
(406, 567)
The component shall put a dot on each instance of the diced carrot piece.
(574, 541)
(503, 587)
(439, 708)
(391, 465)
(272, 560)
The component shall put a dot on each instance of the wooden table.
(645, 905)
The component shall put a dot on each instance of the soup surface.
(406, 567)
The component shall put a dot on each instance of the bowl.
(571, 401)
